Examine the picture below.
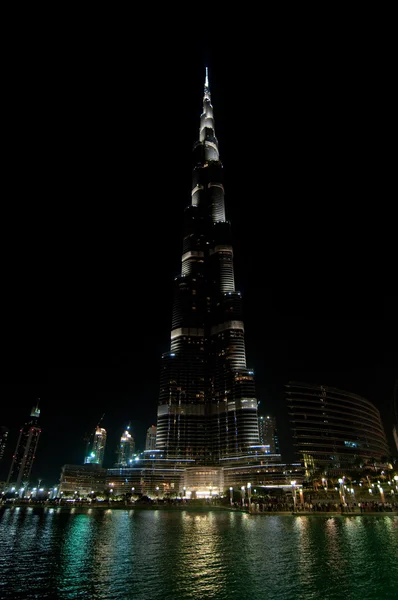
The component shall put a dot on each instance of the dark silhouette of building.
(332, 428)
(25, 451)
(3, 440)
(395, 416)
(268, 433)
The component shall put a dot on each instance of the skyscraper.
(24, 455)
(207, 403)
(207, 435)
(150, 442)
(97, 450)
(126, 448)
(268, 433)
(3, 440)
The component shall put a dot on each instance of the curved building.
(332, 428)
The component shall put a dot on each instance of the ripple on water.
(165, 555)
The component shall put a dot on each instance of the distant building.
(25, 451)
(150, 443)
(81, 480)
(3, 440)
(332, 428)
(97, 450)
(395, 409)
(395, 436)
(126, 448)
(268, 433)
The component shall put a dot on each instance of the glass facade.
(333, 428)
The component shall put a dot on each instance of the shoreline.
(204, 509)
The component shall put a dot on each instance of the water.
(172, 555)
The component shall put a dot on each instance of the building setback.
(207, 403)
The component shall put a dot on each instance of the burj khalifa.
(207, 411)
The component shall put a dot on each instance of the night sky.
(303, 123)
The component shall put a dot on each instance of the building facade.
(207, 408)
(268, 433)
(3, 440)
(332, 428)
(25, 451)
(81, 481)
(150, 441)
(97, 447)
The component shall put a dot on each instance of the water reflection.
(199, 557)
(132, 554)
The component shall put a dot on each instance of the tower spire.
(206, 95)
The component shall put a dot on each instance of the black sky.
(303, 118)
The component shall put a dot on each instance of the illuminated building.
(81, 480)
(268, 433)
(97, 451)
(207, 435)
(24, 455)
(126, 448)
(395, 406)
(207, 403)
(332, 428)
(3, 440)
(395, 435)
(150, 442)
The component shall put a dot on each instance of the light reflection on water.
(145, 554)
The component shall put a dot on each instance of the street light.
(231, 494)
(242, 491)
(249, 493)
(293, 484)
(342, 496)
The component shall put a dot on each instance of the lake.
(181, 555)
